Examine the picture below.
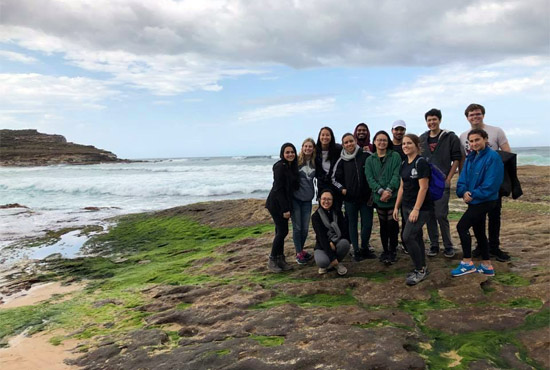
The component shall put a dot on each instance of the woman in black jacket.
(349, 179)
(332, 241)
(279, 203)
(327, 153)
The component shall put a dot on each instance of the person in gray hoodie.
(441, 148)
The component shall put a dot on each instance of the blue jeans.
(301, 214)
(352, 213)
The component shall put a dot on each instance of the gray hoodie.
(306, 191)
(448, 149)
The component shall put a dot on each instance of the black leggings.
(389, 229)
(475, 217)
(281, 231)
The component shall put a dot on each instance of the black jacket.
(448, 149)
(285, 182)
(324, 179)
(510, 184)
(350, 175)
(321, 232)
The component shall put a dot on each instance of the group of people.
(392, 175)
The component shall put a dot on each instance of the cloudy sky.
(166, 78)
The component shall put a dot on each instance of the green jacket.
(388, 179)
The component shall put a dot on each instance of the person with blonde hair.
(301, 200)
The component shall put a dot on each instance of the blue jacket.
(481, 176)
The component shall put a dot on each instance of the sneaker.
(417, 276)
(322, 270)
(449, 252)
(500, 255)
(485, 270)
(366, 253)
(393, 257)
(463, 268)
(476, 253)
(404, 249)
(383, 257)
(273, 266)
(371, 248)
(308, 256)
(281, 262)
(434, 251)
(341, 269)
(301, 258)
(357, 256)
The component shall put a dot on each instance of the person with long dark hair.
(332, 242)
(301, 200)
(478, 185)
(279, 203)
(327, 154)
(382, 173)
(414, 198)
(349, 179)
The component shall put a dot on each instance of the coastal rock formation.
(32, 148)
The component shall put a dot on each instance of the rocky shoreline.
(32, 148)
(188, 288)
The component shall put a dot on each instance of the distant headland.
(32, 148)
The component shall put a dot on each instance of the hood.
(364, 142)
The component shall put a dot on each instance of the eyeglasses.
(381, 140)
(326, 199)
(475, 114)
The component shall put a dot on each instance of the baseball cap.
(399, 123)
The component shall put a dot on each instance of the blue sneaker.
(463, 269)
(482, 269)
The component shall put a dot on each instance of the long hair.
(333, 152)
(416, 141)
(384, 133)
(301, 156)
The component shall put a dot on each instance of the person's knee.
(321, 259)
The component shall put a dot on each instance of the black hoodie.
(285, 182)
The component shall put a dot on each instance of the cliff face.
(32, 148)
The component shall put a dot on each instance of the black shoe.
(476, 253)
(383, 257)
(500, 255)
(393, 258)
(366, 253)
(281, 262)
(273, 266)
(404, 249)
(434, 251)
(357, 257)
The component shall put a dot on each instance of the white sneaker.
(322, 270)
(341, 269)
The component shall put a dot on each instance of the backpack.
(436, 185)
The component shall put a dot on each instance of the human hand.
(344, 191)
(413, 216)
(286, 215)
(467, 197)
(396, 214)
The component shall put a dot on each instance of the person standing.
(414, 198)
(362, 137)
(475, 114)
(478, 185)
(382, 173)
(279, 204)
(326, 156)
(332, 243)
(442, 149)
(398, 130)
(301, 200)
(349, 179)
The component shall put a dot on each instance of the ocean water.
(57, 196)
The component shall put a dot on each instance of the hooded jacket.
(364, 142)
(381, 179)
(481, 175)
(350, 175)
(448, 149)
(324, 178)
(510, 184)
(285, 182)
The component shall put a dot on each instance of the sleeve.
(394, 168)
(461, 185)
(456, 148)
(492, 179)
(321, 234)
(501, 138)
(369, 174)
(423, 168)
(280, 188)
(338, 176)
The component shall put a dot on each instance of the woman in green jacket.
(382, 173)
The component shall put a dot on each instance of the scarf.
(334, 233)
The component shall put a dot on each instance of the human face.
(433, 123)
(398, 133)
(326, 201)
(381, 142)
(362, 132)
(325, 137)
(307, 148)
(289, 154)
(477, 143)
(349, 143)
(408, 147)
(475, 117)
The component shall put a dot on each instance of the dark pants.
(412, 237)
(475, 217)
(439, 215)
(281, 231)
(323, 260)
(389, 229)
(494, 225)
(352, 213)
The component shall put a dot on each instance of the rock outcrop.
(32, 148)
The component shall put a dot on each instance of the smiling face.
(362, 132)
(326, 201)
(409, 148)
(381, 142)
(477, 142)
(289, 154)
(433, 123)
(475, 117)
(398, 133)
(349, 143)
(325, 137)
(307, 148)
